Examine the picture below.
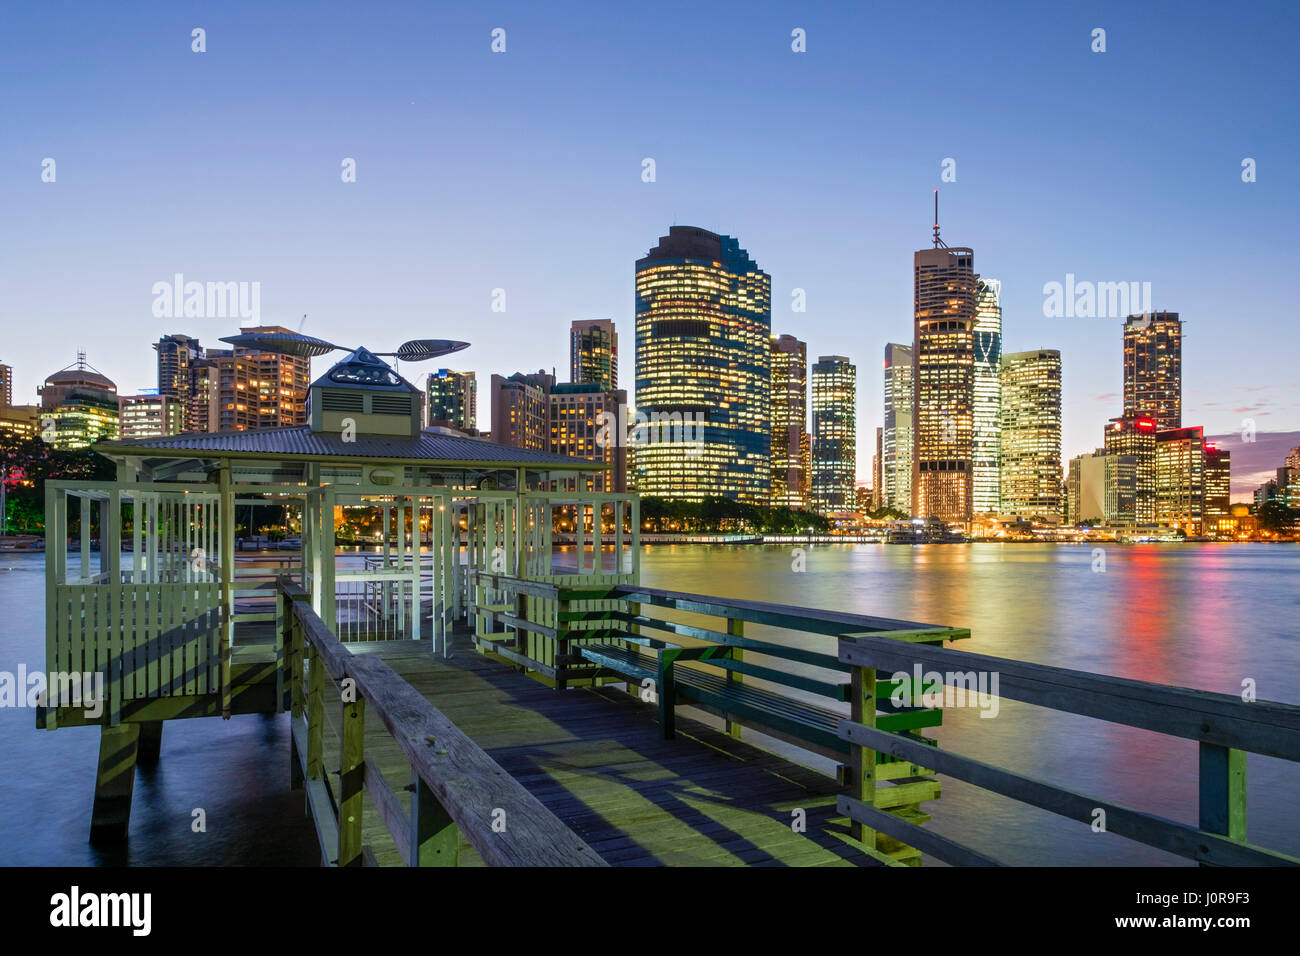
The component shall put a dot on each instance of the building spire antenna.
(937, 241)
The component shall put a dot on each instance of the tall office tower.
(1153, 368)
(1218, 486)
(249, 389)
(1135, 435)
(789, 420)
(988, 397)
(1293, 458)
(834, 433)
(1031, 433)
(575, 430)
(877, 471)
(519, 410)
(943, 362)
(897, 435)
(177, 357)
(1180, 479)
(453, 399)
(149, 415)
(1101, 487)
(81, 402)
(703, 354)
(593, 353)
(6, 385)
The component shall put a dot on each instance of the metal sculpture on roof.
(308, 346)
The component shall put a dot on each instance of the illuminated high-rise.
(1135, 436)
(6, 385)
(452, 399)
(1180, 479)
(789, 420)
(897, 435)
(943, 357)
(150, 415)
(593, 353)
(988, 397)
(834, 433)
(703, 354)
(78, 406)
(1153, 368)
(248, 388)
(1218, 486)
(1031, 434)
(177, 357)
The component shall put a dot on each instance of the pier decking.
(595, 758)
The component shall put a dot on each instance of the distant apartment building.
(6, 385)
(452, 399)
(834, 433)
(1153, 368)
(178, 355)
(150, 416)
(242, 389)
(987, 421)
(1031, 434)
(897, 433)
(789, 422)
(593, 353)
(79, 403)
(519, 410)
(943, 360)
(584, 421)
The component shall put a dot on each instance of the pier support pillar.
(114, 782)
(150, 742)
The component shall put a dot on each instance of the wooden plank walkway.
(595, 759)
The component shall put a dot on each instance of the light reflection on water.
(1203, 616)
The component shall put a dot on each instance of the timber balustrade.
(1226, 728)
(572, 635)
(456, 788)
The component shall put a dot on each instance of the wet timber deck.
(595, 758)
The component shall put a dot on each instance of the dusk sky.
(522, 171)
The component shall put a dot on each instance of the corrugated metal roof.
(301, 440)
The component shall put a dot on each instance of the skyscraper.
(6, 385)
(1135, 436)
(988, 397)
(1180, 479)
(1153, 368)
(943, 357)
(897, 434)
(834, 433)
(789, 420)
(177, 356)
(452, 399)
(703, 354)
(1218, 486)
(593, 353)
(1031, 433)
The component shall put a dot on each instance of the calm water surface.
(1205, 616)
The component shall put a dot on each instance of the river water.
(1207, 616)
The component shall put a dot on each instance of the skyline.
(469, 180)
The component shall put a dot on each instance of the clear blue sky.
(522, 171)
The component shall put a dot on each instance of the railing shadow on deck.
(456, 788)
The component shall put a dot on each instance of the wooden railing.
(456, 788)
(1225, 727)
(794, 692)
